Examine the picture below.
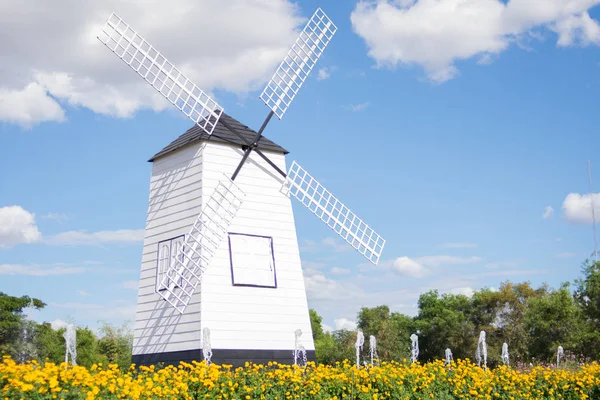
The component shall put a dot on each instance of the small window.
(167, 249)
(252, 260)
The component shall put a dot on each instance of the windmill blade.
(336, 215)
(144, 59)
(298, 63)
(185, 269)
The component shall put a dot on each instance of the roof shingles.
(220, 134)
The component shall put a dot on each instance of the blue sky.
(449, 137)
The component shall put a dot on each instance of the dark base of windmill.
(237, 358)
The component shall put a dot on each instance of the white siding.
(174, 203)
(252, 317)
(238, 317)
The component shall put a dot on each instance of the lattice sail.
(336, 215)
(298, 63)
(144, 59)
(186, 268)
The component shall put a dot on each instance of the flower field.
(461, 380)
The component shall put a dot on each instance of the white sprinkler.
(560, 353)
(299, 350)
(414, 348)
(449, 357)
(505, 358)
(358, 345)
(70, 336)
(373, 349)
(206, 345)
(481, 354)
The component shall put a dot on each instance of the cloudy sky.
(459, 129)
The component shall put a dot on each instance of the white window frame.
(169, 246)
(246, 278)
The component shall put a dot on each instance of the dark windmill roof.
(220, 134)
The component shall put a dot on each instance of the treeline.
(24, 339)
(532, 321)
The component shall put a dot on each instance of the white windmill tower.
(224, 255)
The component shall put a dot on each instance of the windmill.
(187, 258)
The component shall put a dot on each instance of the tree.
(49, 343)
(327, 349)
(587, 296)
(315, 324)
(391, 330)
(116, 345)
(443, 322)
(587, 292)
(501, 314)
(552, 319)
(11, 320)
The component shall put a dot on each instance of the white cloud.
(566, 255)
(340, 271)
(577, 208)
(514, 272)
(436, 261)
(435, 34)
(459, 245)
(319, 287)
(17, 226)
(82, 292)
(38, 270)
(409, 267)
(420, 267)
(29, 105)
(312, 264)
(357, 107)
(78, 306)
(326, 244)
(467, 291)
(309, 245)
(344, 323)
(500, 264)
(325, 72)
(548, 211)
(327, 328)
(55, 216)
(336, 245)
(83, 238)
(122, 309)
(58, 323)
(55, 59)
(577, 29)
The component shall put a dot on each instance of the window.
(166, 250)
(252, 260)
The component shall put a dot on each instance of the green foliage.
(49, 343)
(315, 324)
(552, 320)
(532, 321)
(11, 320)
(587, 293)
(24, 339)
(389, 328)
(115, 344)
(327, 349)
(443, 321)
